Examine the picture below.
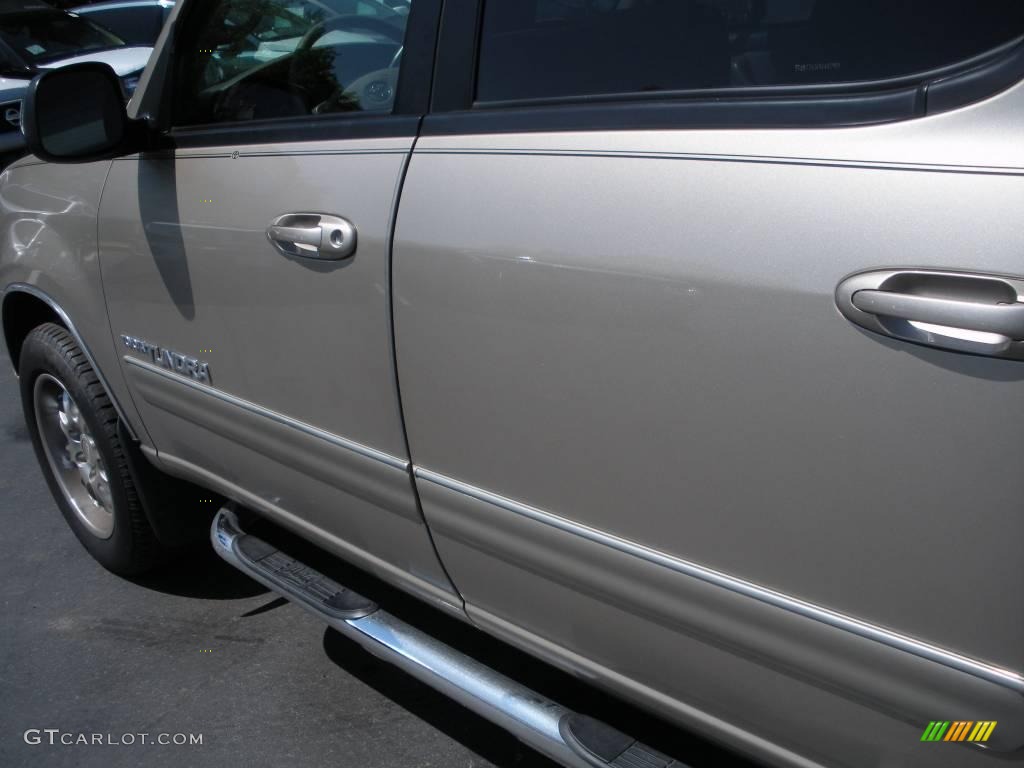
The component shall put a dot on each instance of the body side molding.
(336, 440)
(1005, 678)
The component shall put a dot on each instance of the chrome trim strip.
(871, 165)
(981, 670)
(301, 426)
(201, 154)
(532, 718)
(31, 290)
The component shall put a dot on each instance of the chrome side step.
(571, 739)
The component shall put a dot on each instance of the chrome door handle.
(1005, 319)
(313, 236)
(979, 314)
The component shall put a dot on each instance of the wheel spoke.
(101, 489)
(66, 425)
(74, 455)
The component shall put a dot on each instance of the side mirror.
(76, 114)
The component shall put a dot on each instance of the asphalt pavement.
(202, 652)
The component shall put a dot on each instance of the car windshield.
(40, 36)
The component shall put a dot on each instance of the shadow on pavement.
(278, 602)
(203, 575)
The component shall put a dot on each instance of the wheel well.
(21, 313)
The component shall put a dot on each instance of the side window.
(259, 59)
(134, 25)
(535, 49)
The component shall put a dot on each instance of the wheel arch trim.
(61, 313)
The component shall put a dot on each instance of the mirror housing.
(76, 114)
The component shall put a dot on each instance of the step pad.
(301, 581)
(606, 746)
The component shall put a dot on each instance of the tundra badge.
(169, 359)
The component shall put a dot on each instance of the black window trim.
(412, 98)
(455, 109)
(302, 128)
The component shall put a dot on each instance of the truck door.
(246, 269)
(658, 432)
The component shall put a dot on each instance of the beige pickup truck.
(677, 342)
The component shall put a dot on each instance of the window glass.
(136, 25)
(258, 59)
(551, 48)
(46, 35)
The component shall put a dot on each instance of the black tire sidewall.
(45, 351)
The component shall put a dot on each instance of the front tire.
(74, 431)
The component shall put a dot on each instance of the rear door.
(649, 442)
(247, 275)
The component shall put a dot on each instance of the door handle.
(1004, 319)
(313, 236)
(961, 312)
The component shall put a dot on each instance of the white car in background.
(137, 22)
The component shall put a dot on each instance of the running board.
(569, 738)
